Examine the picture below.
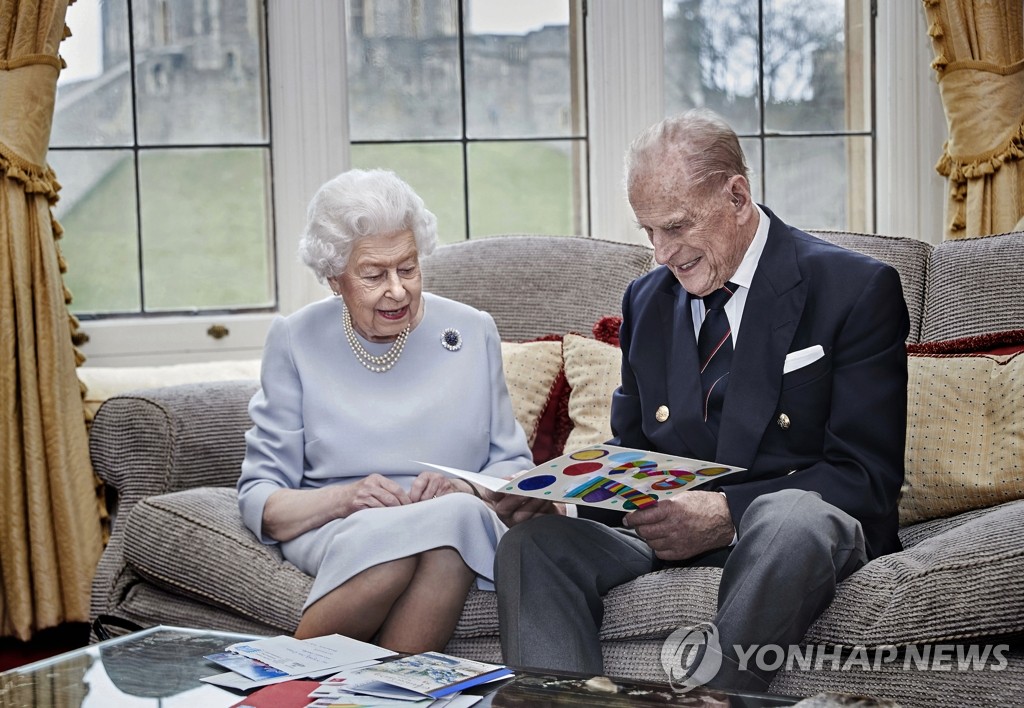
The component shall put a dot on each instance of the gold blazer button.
(661, 415)
(783, 421)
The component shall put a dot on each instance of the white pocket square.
(800, 359)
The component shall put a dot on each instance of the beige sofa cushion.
(958, 578)
(965, 434)
(193, 543)
(974, 287)
(533, 285)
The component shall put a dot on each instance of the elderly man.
(754, 345)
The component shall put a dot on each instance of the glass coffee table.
(161, 666)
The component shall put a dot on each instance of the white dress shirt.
(743, 277)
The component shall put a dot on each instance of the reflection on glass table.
(534, 688)
(159, 666)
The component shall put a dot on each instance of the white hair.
(360, 204)
(708, 148)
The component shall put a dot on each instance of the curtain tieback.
(26, 113)
(984, 111)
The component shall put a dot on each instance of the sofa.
(178, 553)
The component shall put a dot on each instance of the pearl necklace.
(376, 364)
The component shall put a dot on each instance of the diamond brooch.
(451, 339)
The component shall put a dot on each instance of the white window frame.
(911, 126)
(310, 144)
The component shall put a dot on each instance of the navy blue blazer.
(846, 411)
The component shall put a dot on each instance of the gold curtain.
(50, 536)
(979, 59)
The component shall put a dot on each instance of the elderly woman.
(355, 389)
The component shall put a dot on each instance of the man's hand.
(515, 509)
(684, 526)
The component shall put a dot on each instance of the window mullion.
(309, 101)
(462, 117)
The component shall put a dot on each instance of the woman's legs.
(424, 616)
(410, 604)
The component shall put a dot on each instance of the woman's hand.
(434, 484)
(373, 491)
(289, 513)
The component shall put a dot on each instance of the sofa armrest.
(161, 440)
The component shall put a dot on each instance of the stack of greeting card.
(334, 671)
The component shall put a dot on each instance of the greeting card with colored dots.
(606, 476)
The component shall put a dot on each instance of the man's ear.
(739, 190)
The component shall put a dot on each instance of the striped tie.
(714, 351)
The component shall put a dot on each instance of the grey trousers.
(552, 572)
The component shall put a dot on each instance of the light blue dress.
(321, 418)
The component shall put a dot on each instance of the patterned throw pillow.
(965, 434)
(592, 369)
(531, 370)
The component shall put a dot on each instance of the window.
(252, 104)
(477, 104)
(794, 79)
(162, 144)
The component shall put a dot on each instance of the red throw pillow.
(554, 424)
(607, 330)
